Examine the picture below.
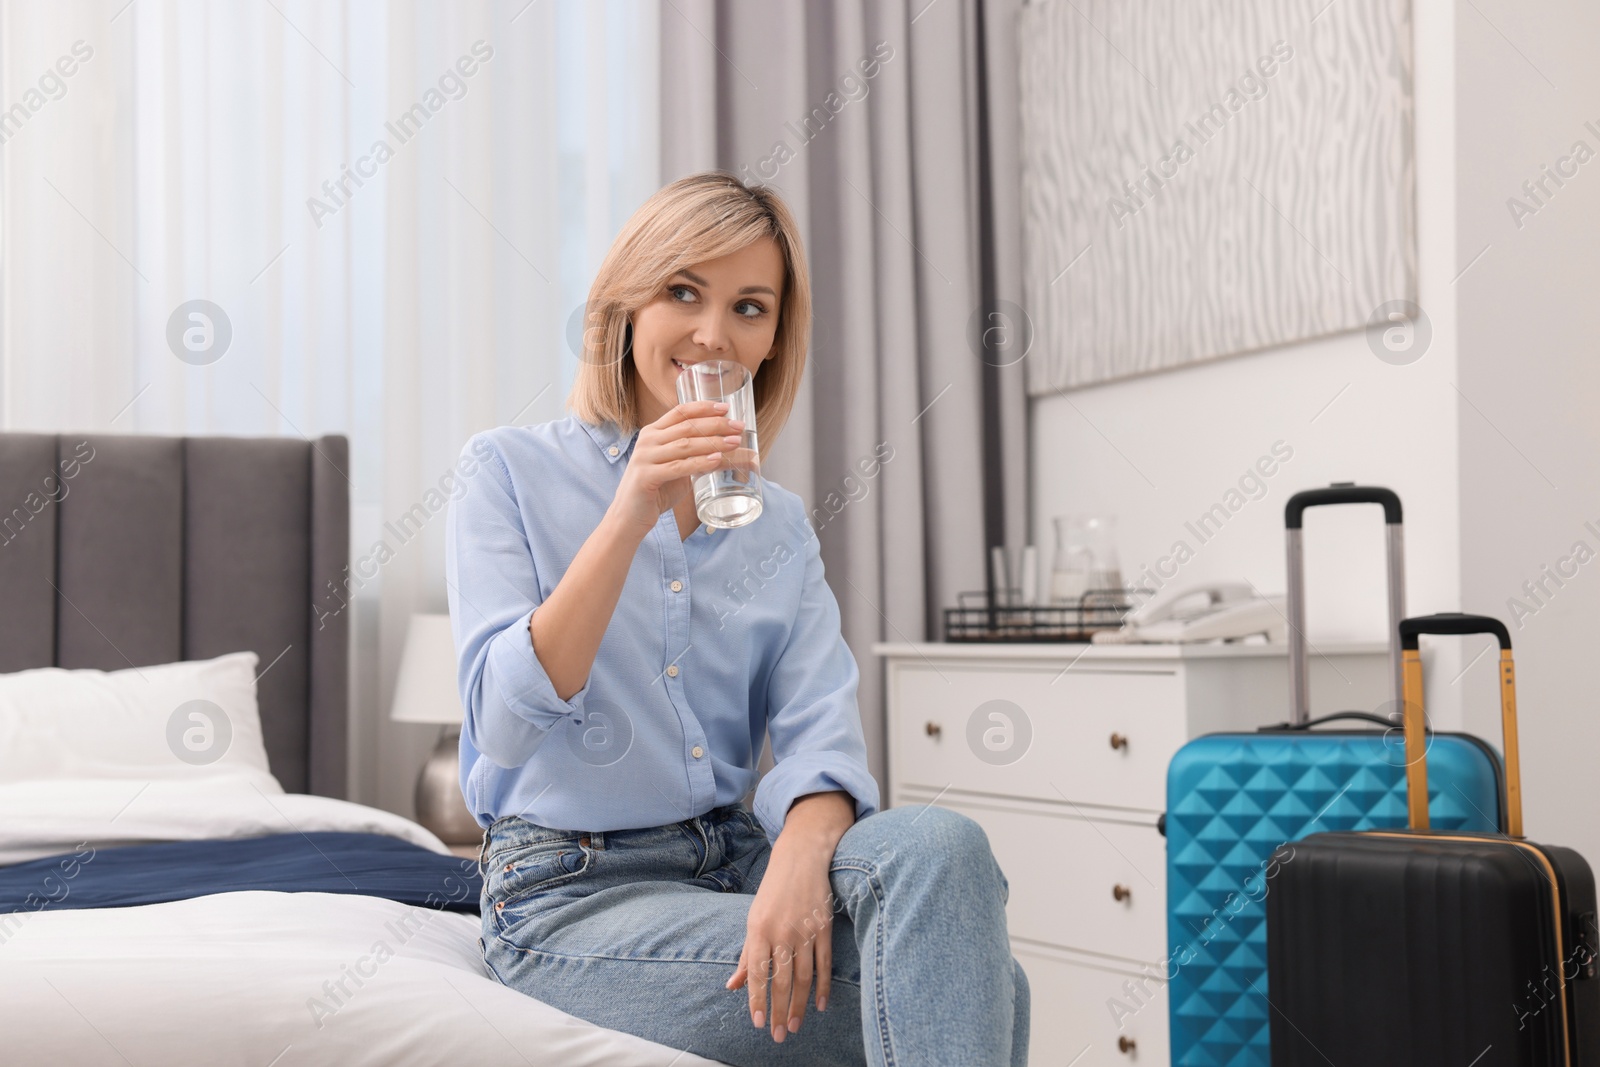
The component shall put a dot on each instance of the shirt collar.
(610, 439)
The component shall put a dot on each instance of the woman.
(620, 665)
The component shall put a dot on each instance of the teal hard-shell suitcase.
(1232, 799)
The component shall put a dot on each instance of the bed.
(227, 909)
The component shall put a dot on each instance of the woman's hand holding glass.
(689, 439)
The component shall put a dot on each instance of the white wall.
(1530, 437)
(1492, 438)
(1158, 451)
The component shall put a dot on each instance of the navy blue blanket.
(321, 862)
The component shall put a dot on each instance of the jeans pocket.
(519, 874)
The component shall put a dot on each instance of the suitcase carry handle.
(1343, 493)
(1363, 716)
(1454, 622)
(1293, 515)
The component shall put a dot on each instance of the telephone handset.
(1216, 611)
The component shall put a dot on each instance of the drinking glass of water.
(730, 495)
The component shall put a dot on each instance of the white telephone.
(1225, 611)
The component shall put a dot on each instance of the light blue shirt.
(715, 641)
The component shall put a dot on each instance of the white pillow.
(174, 721)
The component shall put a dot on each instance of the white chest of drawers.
(1060, 752)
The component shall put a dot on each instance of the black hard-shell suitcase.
(1417, 947)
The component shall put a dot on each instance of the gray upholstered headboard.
(120, 551)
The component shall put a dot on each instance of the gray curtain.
(871, 118)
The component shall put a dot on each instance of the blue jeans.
(639, 930)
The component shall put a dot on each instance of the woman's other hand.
(689, 439)
(789, 933)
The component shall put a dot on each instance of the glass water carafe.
(1085, 558)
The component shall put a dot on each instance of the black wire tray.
(975, 619)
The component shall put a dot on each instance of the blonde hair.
(698, 218)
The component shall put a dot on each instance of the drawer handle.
(1126, 1044)
(1119, 741)
(1121, 892)
(934, 729)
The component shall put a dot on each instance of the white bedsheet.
(258, 979)
(45, 817)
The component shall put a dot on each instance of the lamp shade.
(426, 690)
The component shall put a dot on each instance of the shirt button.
(612, 450)
(697, 751)
(672, 671)
(677, 586)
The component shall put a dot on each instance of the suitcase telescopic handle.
(1453, 622)
(1293, 516)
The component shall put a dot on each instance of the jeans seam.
(750, 820)
(870, 871)
(705, 847)
(487, 963)
(632, 959)
(701, 845)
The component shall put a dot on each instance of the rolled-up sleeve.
(812, 718)
(492, 583)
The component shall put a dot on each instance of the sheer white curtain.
(495, 229)
(392, 210)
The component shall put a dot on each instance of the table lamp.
(426, 693)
